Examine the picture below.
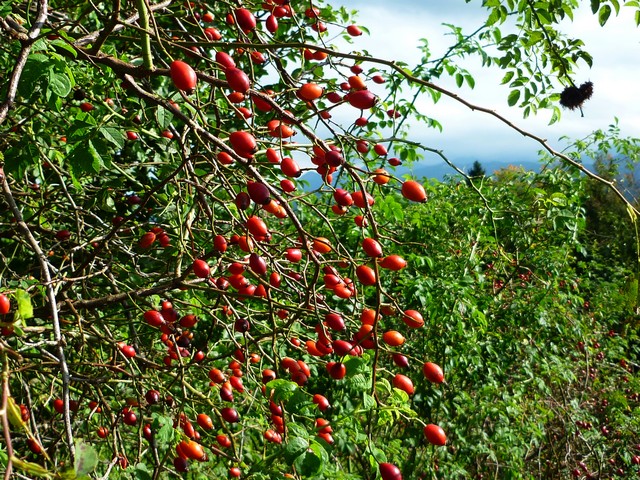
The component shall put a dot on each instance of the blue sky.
(396, 28)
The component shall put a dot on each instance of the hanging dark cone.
(587, 90)
(573, 97)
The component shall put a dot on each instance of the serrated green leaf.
(142, 472)
(59, 43)
(34, 69)
(79, 130)
(399, 397)
(59, 83)
(297, 430)
(113, 135)
(383, 385)
(604, 14)
(378, 455)
(494, 16)
(470, 81)
(23, 301)
(163, 428)
(84, 158)
(312, 461)
(507, 77)
(359, 382)
(295, 447)
(86, 458)
(164, 117)
(96, 158)
(368, 402)
(282, 389)
(354, 365)
(513, 97)
(298, 401)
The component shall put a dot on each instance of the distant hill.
(441, 170)
(435, 171)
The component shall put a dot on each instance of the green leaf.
(470, 81)
(79, 131)
(282, 389)
(359, 382)
(295, 447)
(378, 455)
(164, 117)
(23, 300)
(507, 77)
(399, 397)
(84, 158)
(70, 474)
(18, 159)
(163, 428)
(568, 11)
(383, 386)
(142, 472)
(368, 402)
(595, 5)
(604, 14)
(545, 17)
(113, 135)
(298, 401)
(534, 38)
(34, 69)
(86, 458)
(96, 158)
(355, 365)
(5, 9)
(513, 97)
(59, 43)
(312, 461)
(616, 6)
(31, 468)
(59, 83)
(494, 16)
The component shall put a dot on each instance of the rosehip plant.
(206, 273)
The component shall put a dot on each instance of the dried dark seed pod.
(573, 97)
(587, 90)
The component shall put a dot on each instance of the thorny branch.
(45, 267)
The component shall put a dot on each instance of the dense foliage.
(176, 300)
